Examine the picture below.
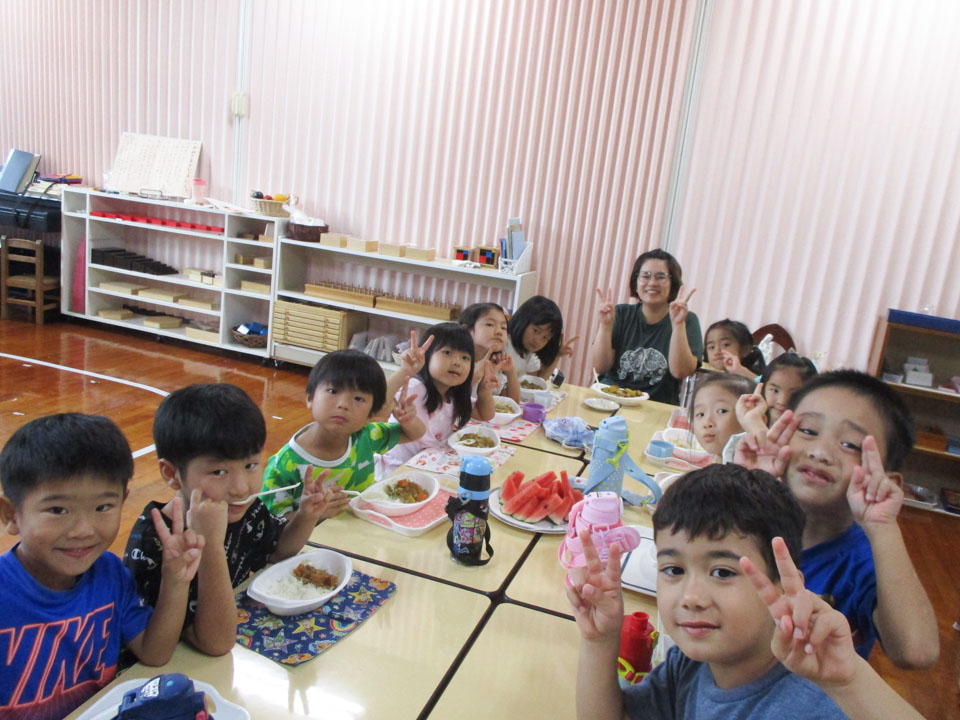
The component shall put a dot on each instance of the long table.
(493, 641)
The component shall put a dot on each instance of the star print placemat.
(294, 639)
(516, 431)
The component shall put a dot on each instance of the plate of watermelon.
(541, 504)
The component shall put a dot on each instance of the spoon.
(262, 493)
(596, 378)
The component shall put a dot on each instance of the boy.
(344, 390)
(831, 450)
(209, 439)
(713, 529)
(67, 605)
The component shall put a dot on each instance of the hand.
(489, 381)
(678, 308)
(406, 409)
(595, 596)
(751, 411)
(316, 495)
(181, 548)
(811, 639)
(413, 358)
(566, 348)
(606, 310)
(504, 362)
(768, 451)
(731, 363)
(874, 498)
(336, 498)
(207, 517)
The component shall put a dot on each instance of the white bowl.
(454, 441)
(376, 496)
(602, 404)
(598, 387)
(502, 418)
(332, 562)
(530, 395)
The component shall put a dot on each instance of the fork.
(264, 492)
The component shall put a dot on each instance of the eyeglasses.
(659, 277)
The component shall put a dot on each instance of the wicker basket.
(253, 341)
(273, 208)
(306, 233)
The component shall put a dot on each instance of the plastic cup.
(199, 190)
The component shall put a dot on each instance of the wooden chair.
(780, 336)
(42, 292)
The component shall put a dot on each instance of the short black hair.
(803, 366)
(471, 315)
(455, 337)
(352, 369)
(217, 419)
(538, 310)
(720, 499)
(734, 384)
(673, 267)
(61, 447)
(888, 404)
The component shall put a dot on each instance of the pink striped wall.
(825, 168)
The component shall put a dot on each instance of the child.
(713, 411)
(719, 580)
(345, 390)
(728, 346)
(440, 390)
(838, 449)
(209, 439)
(535, 340)
(781, 377)
(487, 324)
(68, 606)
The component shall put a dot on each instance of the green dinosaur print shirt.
(289, 465)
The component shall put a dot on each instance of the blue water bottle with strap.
(468, 511)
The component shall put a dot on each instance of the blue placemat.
(294, 639)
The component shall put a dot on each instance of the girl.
(487, 323)
(782, 376)
(713, 413)
(440, 390)
(728, 346)
(535, 339)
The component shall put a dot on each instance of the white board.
(150, 162)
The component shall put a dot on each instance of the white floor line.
(144, 451)
(148, 388)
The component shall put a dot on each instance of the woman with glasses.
(654, 344)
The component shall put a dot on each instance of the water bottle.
(468, 512)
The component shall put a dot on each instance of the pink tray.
(412, 525)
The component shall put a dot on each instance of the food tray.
(426, 518)
(545, 526)
(598, 387)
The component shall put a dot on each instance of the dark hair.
(473, 313)
(887, 403)
(673, 267)
(804, 367)
(735, 384)
(62, 447)
(217, 419)
(750, 355)
(455, 337)
(351, 369)
(722, 499)
(538, 310)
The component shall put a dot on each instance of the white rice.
(290, 588)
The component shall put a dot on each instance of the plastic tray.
(426, 518)
(638, 568)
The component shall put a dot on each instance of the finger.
(761, 583)
(160, 526)
(413, 339)
(600, 295)
(781, 461)
(590, 553)
(689, 295)
(790, 578)
(572, 340)
(485, 357)
(758, 390)
(403, 392)
(190, 538)
(427, 343)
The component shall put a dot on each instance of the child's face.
(777, 391)
(489, 333)
(826, 447)
(64, 526)
(449, 368)
(653, 282)
(536, 337)
(222, 481)
(720, 339)
(710, 608)
(714, 417)
(340, 411)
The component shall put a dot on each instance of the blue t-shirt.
(683, 688)
(842, 567)
(59, 647)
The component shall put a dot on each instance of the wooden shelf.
(926, 392)
(936, 453)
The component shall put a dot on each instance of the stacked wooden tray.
(314, 327)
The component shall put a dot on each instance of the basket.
(306, 233)
(273, 208)
(519, 265)
(252, 341)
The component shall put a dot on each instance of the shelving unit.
(902, 335)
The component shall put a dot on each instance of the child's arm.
(566, 350)
(732, 365)
(405, 413)
(598, 609)
(301, 523)
(904, 616)
(602, 354)
(485, 406)
(411, 362)
(752, 412)
(813, 640)
(681, 361)
(181, 558)
(768, 450)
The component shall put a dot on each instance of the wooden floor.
(30, 387)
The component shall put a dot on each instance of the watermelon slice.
(559, 515)
(547, 506)
(510, 486)
(527, 492)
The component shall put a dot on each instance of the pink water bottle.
(598, 514)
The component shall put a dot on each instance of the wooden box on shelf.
(418, 253)
(354, 296)
(334, 240)
(164, 322)
(197, 303)
(116, 313)
(159, 294)
(196, 333)
(315, 327)
(122, 287)
(361, 245)
(255, 287)
(440, 311)
(264, 263)
(391, 249)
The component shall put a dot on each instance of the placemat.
(516, 431)
(446, 460)
(293, 639)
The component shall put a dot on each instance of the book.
(18, 171)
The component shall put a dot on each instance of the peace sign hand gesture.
(566, 348)
(181, 547)
(874, 498)
(751, 410)
(678, 308)
(406, 409)
(606, 310)
(413, 358)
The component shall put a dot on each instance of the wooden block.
(340, 295)
(392, 250)
(208, 277)
(263, 262)
(163, 321)
(425, 254)
(487, 256)
(197, 303)
(116, 313)
(122, 287)
(361, 245)
(265, 238)
(242, 259)
(200, 334)
(158, 294)
(246, 236)
(255, 287)
(194, 274)
(333, 240)
(415, 308)
(462, 252)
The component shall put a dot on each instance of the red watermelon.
(510, 486)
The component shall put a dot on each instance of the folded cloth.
(294, 639)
